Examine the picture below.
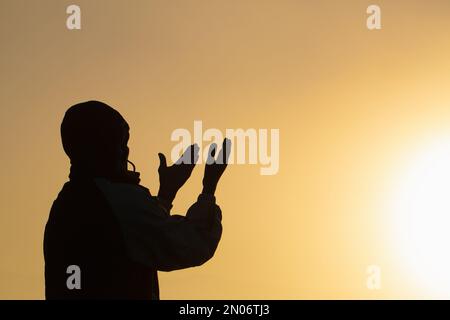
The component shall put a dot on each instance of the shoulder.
(125, 196)
(119, 188)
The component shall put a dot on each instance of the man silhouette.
(110, 227)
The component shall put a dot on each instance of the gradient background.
(351, 105)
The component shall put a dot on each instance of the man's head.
(95, 138)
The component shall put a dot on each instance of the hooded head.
(95, 138)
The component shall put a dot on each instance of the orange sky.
(350, 104)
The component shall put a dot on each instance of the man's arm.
(157, 239)
(191, 240)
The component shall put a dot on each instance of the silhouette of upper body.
(111, 227)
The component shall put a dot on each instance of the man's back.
(83, 231)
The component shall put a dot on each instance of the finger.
(162, 161)
(224, 153)
(211, 154)
(228, 145)
(195, 151)
(187, 156)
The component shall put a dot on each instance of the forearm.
(191, 240)
(209, 189)
(166, 198)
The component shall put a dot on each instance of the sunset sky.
(356, 111)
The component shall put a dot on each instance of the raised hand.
(172, 178)
(215, 167)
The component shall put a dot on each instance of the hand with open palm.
(172, 178)
(215, 167)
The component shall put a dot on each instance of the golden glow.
(421, 209)
(351, 105)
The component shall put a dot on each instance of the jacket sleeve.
(160, 240)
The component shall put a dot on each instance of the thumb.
(162, 161)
